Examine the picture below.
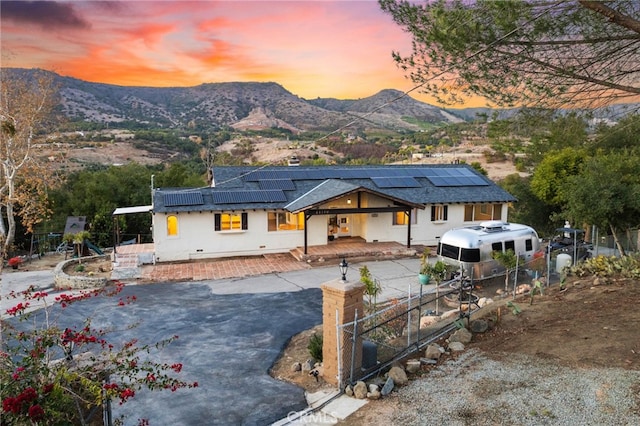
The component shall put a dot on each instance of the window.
(470, 255)
(172, 226)
(401, 218)
(439, 213)
(449, 251)
(231, 221)
(285, 221)
(528, 245)
(496, 246)
(478, 212)
(510, 245)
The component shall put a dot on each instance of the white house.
(260, 210)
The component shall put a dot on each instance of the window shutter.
(445, 212)
(217, 220)
(433, 213)
(245, 221)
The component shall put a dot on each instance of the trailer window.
(510, 245)
(528, 245)
(496, 246)
(470, 255)
(449, 251)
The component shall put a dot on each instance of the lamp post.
(344, 266)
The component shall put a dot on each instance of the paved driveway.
(231, 332)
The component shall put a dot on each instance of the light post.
(344, 266)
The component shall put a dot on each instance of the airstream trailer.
(470, 248)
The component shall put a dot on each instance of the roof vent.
(493, 226)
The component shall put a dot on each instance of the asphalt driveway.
(230, 333)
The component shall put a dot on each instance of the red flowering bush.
(14, 262)
(50, 375)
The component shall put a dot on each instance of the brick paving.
(238, 267)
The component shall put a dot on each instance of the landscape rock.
(461, 335)
(479, 326)
(360, 390)
(348, 390)
(388, 387)
(433, 351)
(456, 347)
(413, 366)
(399, 376)
(428, 320)
(308, 365)
(296, 367)
(374, 394)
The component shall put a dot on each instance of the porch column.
(340, 301)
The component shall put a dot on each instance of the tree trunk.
(617, 241)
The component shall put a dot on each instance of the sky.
(340, 49)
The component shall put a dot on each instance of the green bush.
(315, 347)
(79, 268)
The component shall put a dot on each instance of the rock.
(479, 326)
(360, 390)
(296, 367)
(374, 395)
(373, 387)
(484, 301)
(433, 351)
(399, 376)
(308, 365)
(523, 288)
(428, 320)
(456, 347)
(388, 387)
(348, 390)
(462, 335)
(450, 314)
(413, 366)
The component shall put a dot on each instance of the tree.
(606, 193)
(524, 53)
(552, 173)
(26, 106)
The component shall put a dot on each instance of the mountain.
(238, 105)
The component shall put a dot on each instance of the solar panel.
(242, 197)
(173, 199)
(284, 184)
(396, 182)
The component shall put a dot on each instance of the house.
(260, 210)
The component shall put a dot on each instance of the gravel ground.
(473, 389)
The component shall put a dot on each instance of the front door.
(344, 225)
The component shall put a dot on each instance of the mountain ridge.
(239, 105)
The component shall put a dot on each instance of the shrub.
(315, 347)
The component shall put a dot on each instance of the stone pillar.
(343, 298)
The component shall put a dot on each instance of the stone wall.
(61, 280)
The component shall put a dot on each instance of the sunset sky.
(339, 49)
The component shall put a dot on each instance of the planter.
(423, 279)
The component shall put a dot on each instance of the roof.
(302, 187)
(130, 210)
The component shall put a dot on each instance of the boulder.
(479, 326)
(399, 376)
(461, 335)
(360, 390)
(428, 321)
(433, 351)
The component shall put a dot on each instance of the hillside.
(242, 106)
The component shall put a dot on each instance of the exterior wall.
(197, 238)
